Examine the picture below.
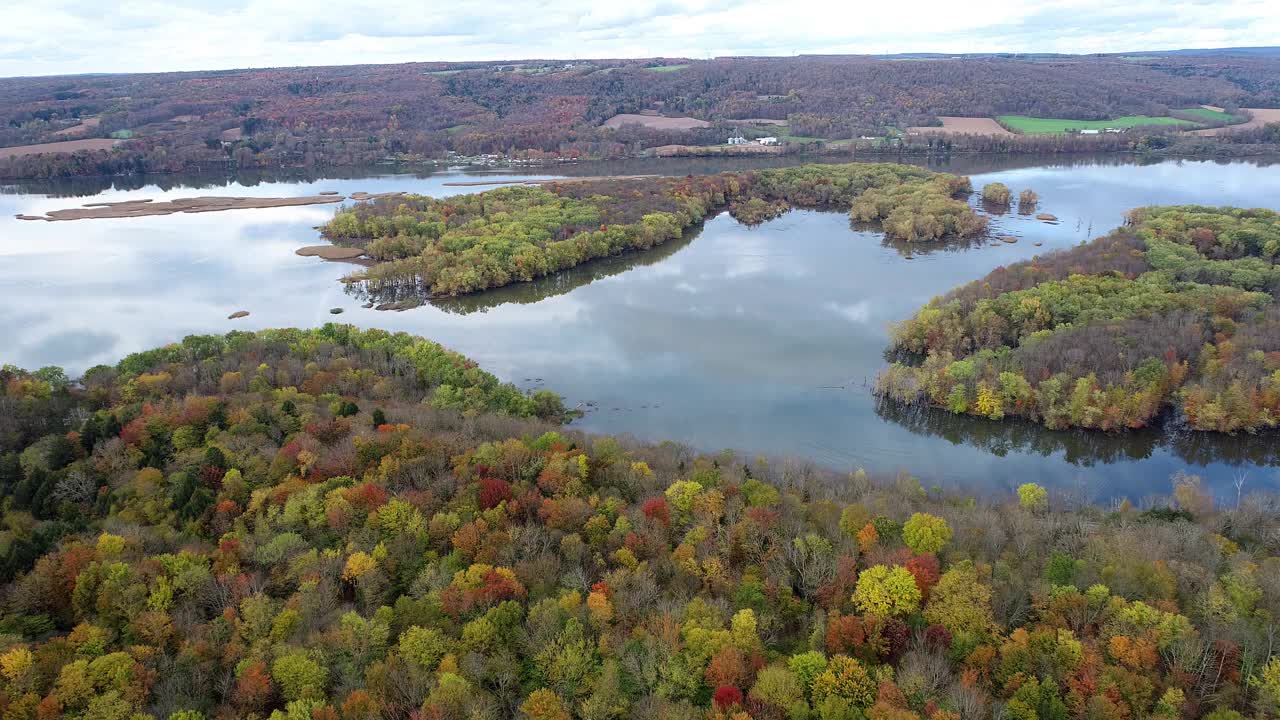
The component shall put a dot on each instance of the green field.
(1212, 115)
(667, 68)
(1039, 126)
(784, 133)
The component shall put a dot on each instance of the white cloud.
(858, 312)
(75, 36)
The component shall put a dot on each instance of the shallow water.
(764, 339)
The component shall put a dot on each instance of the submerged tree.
(996, 194)
(1027, 201)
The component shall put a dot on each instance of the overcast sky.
(79, 36)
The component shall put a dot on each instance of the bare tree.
(76, 487)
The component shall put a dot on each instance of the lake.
(764, 339)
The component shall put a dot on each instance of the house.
(767, 140)
(737, 140)
(1089, 132)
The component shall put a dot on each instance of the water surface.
(763, 339)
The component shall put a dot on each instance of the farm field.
(963, 126)
(1212, 114)
(655, 121)
(800, 139)
(710, 150)
(667, 68)
(784, 134)
(1036, 126)
(787, 138)
(85, 126)
(66, 146)
(1261, 116)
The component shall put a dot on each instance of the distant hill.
(1269, 51)
(360, 115)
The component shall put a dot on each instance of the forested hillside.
(327, 116)
(1176, 309)
(429, 247)
(313, 525)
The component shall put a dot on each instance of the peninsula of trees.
(432, 247)
(346, 525)
(1177, 309)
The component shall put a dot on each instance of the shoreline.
(1270, 155)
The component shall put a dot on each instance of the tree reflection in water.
(521, 293)
(1085, 447)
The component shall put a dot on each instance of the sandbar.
(330, 252)
(147, 207)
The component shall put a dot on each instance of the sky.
(55, 37)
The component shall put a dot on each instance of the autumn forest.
(427, 247)
(346, 522)
(540, 110)
(357, 524)
(1176, 308)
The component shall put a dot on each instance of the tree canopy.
(304, 524)
(1174, 310)
(461, 244)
